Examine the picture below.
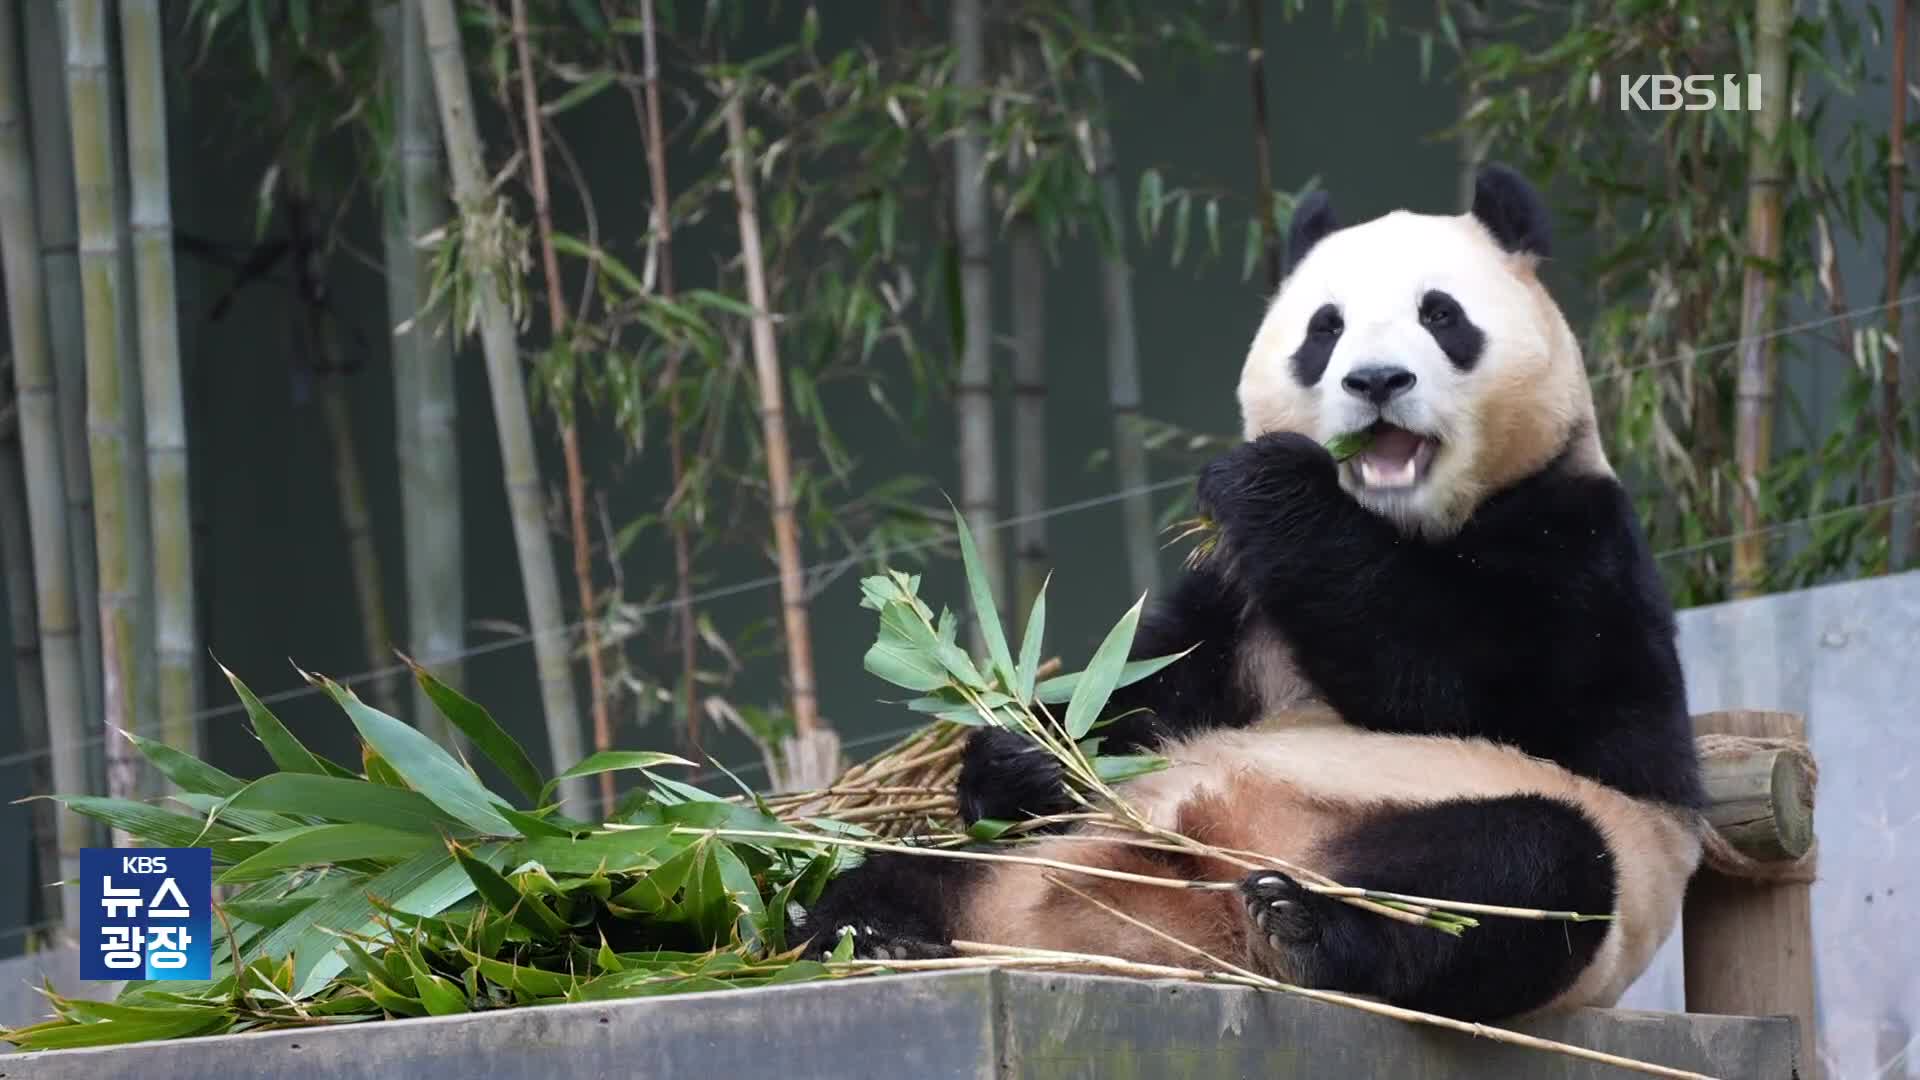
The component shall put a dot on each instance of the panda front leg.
(896, 907)
(1519, 851)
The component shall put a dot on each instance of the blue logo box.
(145, 913)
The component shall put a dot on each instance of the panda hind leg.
(1520, 851)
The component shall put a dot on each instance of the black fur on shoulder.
(1313, 219)
(1473, 850)
(1541, 624)
(1512, 211)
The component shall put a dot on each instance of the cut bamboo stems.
(812, 757)
(170, 508)
(1123, 347)
(61, 735)
(113, 459)
(426, 408)
(670, 379)
(558, 327)
(973, 394)
(1754, 387)
(512, 422)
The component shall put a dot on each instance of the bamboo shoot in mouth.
(1342, 447)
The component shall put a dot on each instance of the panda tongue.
(1388, 460)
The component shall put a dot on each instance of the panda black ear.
(1511, 210)
(1312, 221)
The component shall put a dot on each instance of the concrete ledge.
(957, 1024)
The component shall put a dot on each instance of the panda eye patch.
(1439, 311)
(1323, 332)
(1326, 323)
(1447, 321)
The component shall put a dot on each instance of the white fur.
(1377, 273)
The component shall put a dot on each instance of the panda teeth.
(1399, 474)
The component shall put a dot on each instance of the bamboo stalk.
(773, 423)
(1381, 1008)
(557, 325)
(60, 264)
(60, 737)
(1890, 406)
(112, 458)
(973, 394)
(1028, 259)
(511, 420)
(1471, 20)
(426, 408)
(29, 662)
(1123, 347)
(1262, 142)
(670, 378)
(315, 339)
(170, 509)
(1754, 395)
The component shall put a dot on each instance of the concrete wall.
(960, 1024)
(1848, 658)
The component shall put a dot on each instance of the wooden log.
(1761, 801)
(1748, 944)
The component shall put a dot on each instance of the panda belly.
(1295, 790)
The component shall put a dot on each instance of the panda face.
(1434, 335)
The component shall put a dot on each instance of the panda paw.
(1282, 914)
(1006, 776)
(1254, 474)
(874, 941)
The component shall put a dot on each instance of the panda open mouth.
(1395, 458)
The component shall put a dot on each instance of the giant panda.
(1445, 667)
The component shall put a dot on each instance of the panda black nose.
(1378, 383)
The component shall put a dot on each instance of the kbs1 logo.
(1694, 93)
(145, 913)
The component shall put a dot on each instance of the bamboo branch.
(670, 378)
(511, 420)
(569, 430)
(773, 423)
(46, 592)
(1381, 1008)
(170, 509)
(426, 409)
(1754, 395)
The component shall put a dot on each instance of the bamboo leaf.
(188, 772)
(287, 752)
(438, 994)
(428, 769)
(1062, 687)
(478, 725)
(346, 801)
(1029, 667)
(1103, 674)
(326, 844)
(508, 899)
(579, 95)
(149, 823)
(1117, 767)
(614, 761)
(426, 884)
(984, 608)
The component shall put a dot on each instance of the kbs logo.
(144, 913)
(1695, 93)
